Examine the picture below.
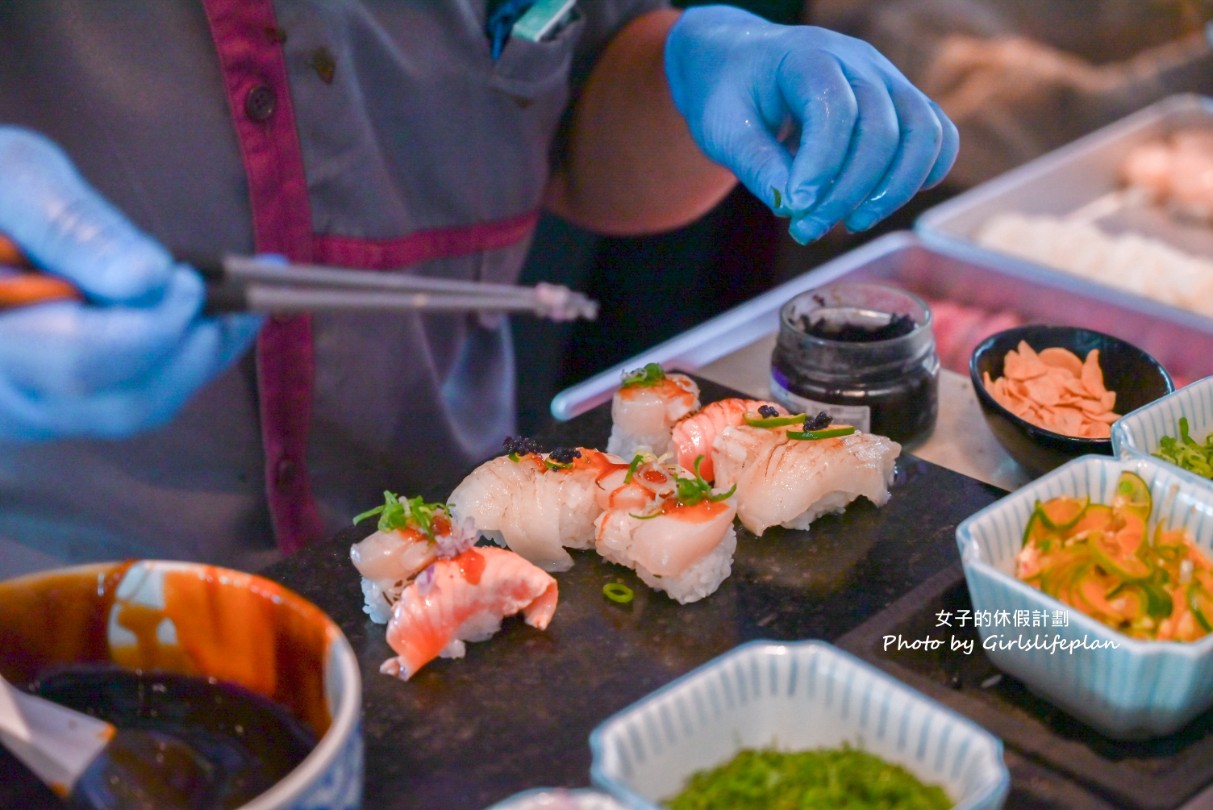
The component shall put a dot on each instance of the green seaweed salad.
(1186, 452)
(843, 778)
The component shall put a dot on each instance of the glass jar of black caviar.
(862, 352)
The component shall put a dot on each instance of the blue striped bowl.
(559, 799)
(1138, 433)
(1122, 687)
(796, 696)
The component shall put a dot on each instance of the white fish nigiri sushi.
(411, 534)
(465, 599)
(784, 481)
(646, 406)
(692, 436)
(671, 528)
(536, 503)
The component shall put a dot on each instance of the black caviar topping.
(819, 422)
(564, 455)
(899, 324)
(520, 446)
(767, 411)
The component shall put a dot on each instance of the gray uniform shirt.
(378, 134)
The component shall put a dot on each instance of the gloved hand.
(128, 358)
(868, 139)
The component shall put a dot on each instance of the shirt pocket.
(528, 71)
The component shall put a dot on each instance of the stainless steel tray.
(1182, 341)
(1067, 180)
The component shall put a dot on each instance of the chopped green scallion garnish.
(828, 433)
(691, 491)
(617, 592)
(637, 460)
(397, 514)
(650, 374)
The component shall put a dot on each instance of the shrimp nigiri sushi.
(535, 503)
(464, 599)
(645, 407)
(411, 534)
(671, 528)
(789, 477)
(692, 436)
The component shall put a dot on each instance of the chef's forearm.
(630, 165)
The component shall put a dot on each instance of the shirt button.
(284, 473)
(260, 102)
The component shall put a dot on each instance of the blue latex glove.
(868, 139)
(131, 356)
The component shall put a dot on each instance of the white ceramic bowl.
(203, 620)
(797, 695)
(1140, 432)
(1135, 689)
(559, 799)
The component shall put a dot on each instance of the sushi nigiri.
(465, 599)
(692, 436)
(536, 503)
(670, 527)
(411, 534)
(789, 477)
(646, 406)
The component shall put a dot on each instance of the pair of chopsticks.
(247, 284)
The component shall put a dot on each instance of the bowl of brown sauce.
(243, 675)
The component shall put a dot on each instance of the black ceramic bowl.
(1136, 377)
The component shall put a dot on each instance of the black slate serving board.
(1159, 773)
(517, 711)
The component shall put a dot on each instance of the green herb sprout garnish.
(617, 592)
(651, 374)
(1186, 452)
(690, 491)
(397, 514)
(693, 490)
(637, 460)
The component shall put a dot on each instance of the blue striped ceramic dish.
(559, 799)
(1135, 689)
(1140, 432)
(796, 696)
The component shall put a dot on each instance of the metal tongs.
(248, 284)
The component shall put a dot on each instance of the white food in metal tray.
(1139, 264)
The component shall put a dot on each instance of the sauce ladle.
(92, 763)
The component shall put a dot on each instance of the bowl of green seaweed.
(1176, 429)
(799, 724)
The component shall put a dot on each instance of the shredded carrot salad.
(1101, 559)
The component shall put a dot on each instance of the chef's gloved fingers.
(869, 139)
(69, 230)
(928, 148)
(74, 370)
(849, 139)
(901, 143)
